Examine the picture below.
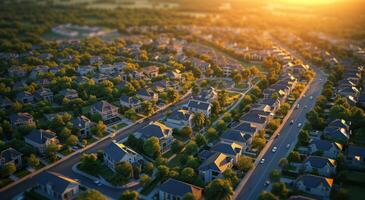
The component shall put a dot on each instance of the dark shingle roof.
(312, 181)
(322, 145)
(40, 136)
(179, 188)
(58, 182)
(9, 154)
(116, 151)
(356, 151)
(216, 162)
(235, 135)
(227, 148)
(103, 106)
(179, 115)
(198, 105)
(319, 162)
(156, 129)
(246, 128)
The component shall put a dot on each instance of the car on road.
(97, 182)
(291, 122)
(311, 97)
(274, 149)
(267, 183)
(262, 161)
(297, 106)
(299, 125)
(305, 106)
(288, 146)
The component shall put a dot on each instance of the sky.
(308, 2)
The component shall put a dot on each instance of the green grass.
(5, 181)
(175, 162)
(354, 192)
(66, 151)
(119, 126)
(22, 173)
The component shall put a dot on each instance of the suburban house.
(83, 70)
(355, 156)
(106, 110)
(315, 185)
(173, 189)
(147, 95)
(179, 119)
(236, 136)
(130, 102)
(174, 76)
(25, 97)
(325, 148)
(118, 152)
(57, 187)
(150, 71)
(321, 165)
(159, 130)
(11, 155)
(247, 128)
(206, 95)
(232, 150)
(69, 93)
(81, 125)
(273, 103)
(40, 139)
(21, 119)
(257, 118)
(198, 106)
(44, 94)
(214, 166)
(336, 134)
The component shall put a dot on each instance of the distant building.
(325, 148)
(82, 125)
(11, 155)
(174, 189)
(198, 106)
(321, 165)
(315, 185)
(57, 187)
(106, 110)
(116, 152)
(179, 119)
(40, 139)
(21, 119)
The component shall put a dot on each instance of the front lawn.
(354, 191)
(5, 181)
(119, 126)
(21, 173)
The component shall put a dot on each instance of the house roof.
(9, 154)
(227, 148)
(354, 151)
(180, 115)
(255, 116)
(312, 181)
(198, 105)
(325, 145)
(58, 182)
(80, 122)
(336, 133)
(68, 91)
(40, 136)
(216, 162)
(246, 128)
(150, 69)
(117, 151)
(144, 92)
(320, 162)
(339, 123)
(129, 100)
(103, 106)
(43, 92)
(156, 129)
(235, 135)
(19, 117)
(179, 188)
(23, 94)
(205, 154)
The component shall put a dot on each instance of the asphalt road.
(65, 168)
(288, 135)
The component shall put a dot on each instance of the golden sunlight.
(308, 2)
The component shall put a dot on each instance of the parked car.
(288, 146)
(262, 161)
(274, 149)
(291, 122)
(267, 183)
(299, 125)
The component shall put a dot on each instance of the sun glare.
(308, 2)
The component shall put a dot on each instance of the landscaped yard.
(5, 181)
(119, 126)
(22, 173)
(354, 191)
(168, 154)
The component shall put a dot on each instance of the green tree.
(177, 146)
(199, 120)
(218, 189)
(267, 196)
(144, 180)
(148, 168)
(124, 168)
(152, 147)
(191, 148)
(216, 108)
(275, 175)
(201, 140)
(147, 108)
(294, 156)
(33, 161)
(186, 131)
(99, 129)
(258, 143)
(189, 196)
(212, 133)
(279, 189)
(163, 171)
(188, 175)
(231, 177)
(8, 169)
(303, 137)
(91, 194)
(129, 195)
(244, 163)
(221, 126)
(72, 140)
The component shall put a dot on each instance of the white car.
(299, 125)
(267, 183)
(274, 149)
(288, 146)
(291, 122)
(311, 97)
(97, 182)
(262, 161)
